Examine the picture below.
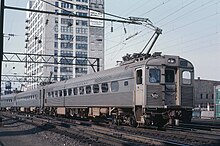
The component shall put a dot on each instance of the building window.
(81, 7)
(66, 45)
(66, 37)
(201, 96)
(57, 4)
(207, 96)
(55, 69)
(66, 21)
(81, 22)
(80, 69)
(81, 38)
(55, 36)
(55, 44)
(66, 29)
(81, 54)
(82, 30)
(82, 46)
(81, 14)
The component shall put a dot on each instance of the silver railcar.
(150, 90)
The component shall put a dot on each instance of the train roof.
(126, 68)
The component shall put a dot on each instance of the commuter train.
(144, 89)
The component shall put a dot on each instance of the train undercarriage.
(119, 116)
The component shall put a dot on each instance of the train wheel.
(115, 121)
(132, 121)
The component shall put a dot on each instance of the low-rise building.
(204, 94)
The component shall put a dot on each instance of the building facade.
(204, 94)
(59, 35)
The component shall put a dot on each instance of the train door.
(42, 98)
(154, 95)
(139, 87)
(139, 93)
(186, 87)
(170, 87)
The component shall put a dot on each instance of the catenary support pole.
(1, 46)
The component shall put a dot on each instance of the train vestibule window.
(169, 76)
(154, 75)
(186, 77)
(139, 77)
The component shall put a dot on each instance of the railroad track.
(123, 135)
(93, 133)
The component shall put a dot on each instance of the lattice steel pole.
(2, 7)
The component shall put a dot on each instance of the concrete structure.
(64, 35)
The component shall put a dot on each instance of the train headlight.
(171, 60)
(154, 95)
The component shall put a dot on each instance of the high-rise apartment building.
(64, 35)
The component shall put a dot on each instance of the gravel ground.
(15, 133)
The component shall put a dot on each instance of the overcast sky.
(191, 29)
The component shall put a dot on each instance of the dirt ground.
(13, 133)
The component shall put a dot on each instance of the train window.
(88, 89)
(75, 91)
(125, 83)
(114, 86)
(186, 77)
(81, 90)
(96, 88)
(56, 93)
(104, 87)
(69, 91)
(154, 75)
(60, 93)
(48, 94)
(64, 92)
(169, 76)
(139, 77)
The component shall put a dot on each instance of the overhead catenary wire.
(178, 27)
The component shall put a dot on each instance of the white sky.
(191, 29)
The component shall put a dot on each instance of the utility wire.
(155, 7)
(176, 11)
